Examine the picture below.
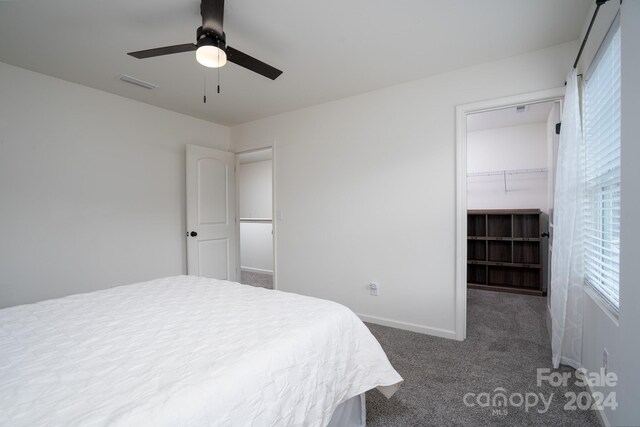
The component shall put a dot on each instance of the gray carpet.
(506, 341)
(256, 279)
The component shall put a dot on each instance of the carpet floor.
(507, 341)
(256, 279)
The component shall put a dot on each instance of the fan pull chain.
(204, 88)
(218, 71)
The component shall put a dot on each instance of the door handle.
(545, 234)
(193, 234)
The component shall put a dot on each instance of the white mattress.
(184, 351)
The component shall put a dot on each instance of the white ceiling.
(327, 49)
(505, 117)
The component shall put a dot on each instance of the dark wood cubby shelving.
(504, 251)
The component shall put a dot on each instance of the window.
(602, 170)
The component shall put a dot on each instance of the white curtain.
(567, 264)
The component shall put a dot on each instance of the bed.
(186, 350)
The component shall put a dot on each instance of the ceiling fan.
(211, 46)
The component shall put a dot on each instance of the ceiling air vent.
(137, 82)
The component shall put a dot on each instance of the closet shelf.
(507, 239)
(504, 173)
(266, 220)
(509, 289)
(503, 264)
(508, 172)
(504, 250)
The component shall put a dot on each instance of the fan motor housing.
(210, 39)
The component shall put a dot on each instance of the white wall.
(256, 247)
(621, 338)
(366, 186)
(255, 182)
(92, 187)
(629, 345)
(512, 147)
(256, 239)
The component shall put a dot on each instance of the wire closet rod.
(261, 220)
(509, 172)
(504, 173)
(586, 36)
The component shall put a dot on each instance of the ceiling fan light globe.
(211, 56)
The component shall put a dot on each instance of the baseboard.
(442, 333)
(600, 411)
(549, 324)
(256, 270)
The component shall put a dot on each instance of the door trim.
(462, 111)
(274, 221)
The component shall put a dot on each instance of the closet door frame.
(556, 94)
(276, 215)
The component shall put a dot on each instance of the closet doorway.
(510, 169)
(254, 172)
(504, 195)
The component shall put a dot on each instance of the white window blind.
(602, 170)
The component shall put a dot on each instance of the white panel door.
(211, 213)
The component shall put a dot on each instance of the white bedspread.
(184, 351)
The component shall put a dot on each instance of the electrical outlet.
(373, 289)
(605, 360)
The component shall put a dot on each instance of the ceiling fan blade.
(167, 50)
(251, 63)
(212, 12)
